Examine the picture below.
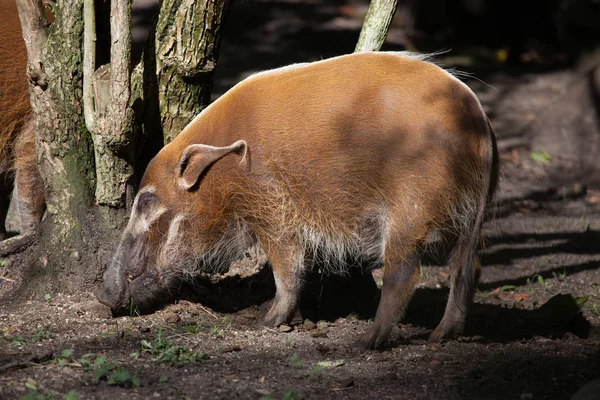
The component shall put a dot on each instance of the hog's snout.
(130, 282)
(108, 298)
(112, 293)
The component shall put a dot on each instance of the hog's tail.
(464, 260)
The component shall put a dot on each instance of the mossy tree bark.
(86, 176)
(63, 144)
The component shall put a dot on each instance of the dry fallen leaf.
(592, 197)
(515, 157)
(432, 346)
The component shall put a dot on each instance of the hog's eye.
(146, 201)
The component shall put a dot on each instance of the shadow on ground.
(498, 373)
(329, 298)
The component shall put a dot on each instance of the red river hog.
(17, 140)
(358, 160)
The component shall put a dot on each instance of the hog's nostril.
(102, 297)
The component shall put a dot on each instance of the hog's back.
(340, 140)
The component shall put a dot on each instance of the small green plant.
(108, 371)
(541, 157)
(291, 396)
(47, 298)
(132, 308)
(97, 364)
(122, 377)
(164, 351)
(65, 357)
(596, 309)
(34, 393)
(220, 330)
(101, 368)
(3, 262)
(18, 342)
(92, 365)
(295, 361)
(71, 395)
(540, 281)
(42, 335)
(560, 277)
(163, 379)
(85, 362)
(543, 283)
(191, 329)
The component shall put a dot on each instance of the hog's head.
(159, 239)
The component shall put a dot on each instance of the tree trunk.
(187, 46)
(63, 144)
(376, 25)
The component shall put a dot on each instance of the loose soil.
(541, 245)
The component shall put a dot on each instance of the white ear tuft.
(196, 158)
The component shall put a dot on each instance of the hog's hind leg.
(400, 274)
(28, 182)
(465, 266)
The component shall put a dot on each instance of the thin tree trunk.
(63, 144)
(107, 112)
(187, 42)
(376, 25)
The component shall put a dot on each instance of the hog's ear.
(197, 157)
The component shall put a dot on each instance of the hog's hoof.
(361, 345)
(280, 313)
(373, 339)
(446, 331)
(274, 318)
(273, 322)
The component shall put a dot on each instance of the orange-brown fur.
(17, 141)
(360, 159)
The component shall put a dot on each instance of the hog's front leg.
(287, 262)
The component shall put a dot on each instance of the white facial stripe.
(153, 217)
(174, 230)
(171, 249)
(145, 189)
(140, 223)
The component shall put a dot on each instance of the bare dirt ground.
(534, 330)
